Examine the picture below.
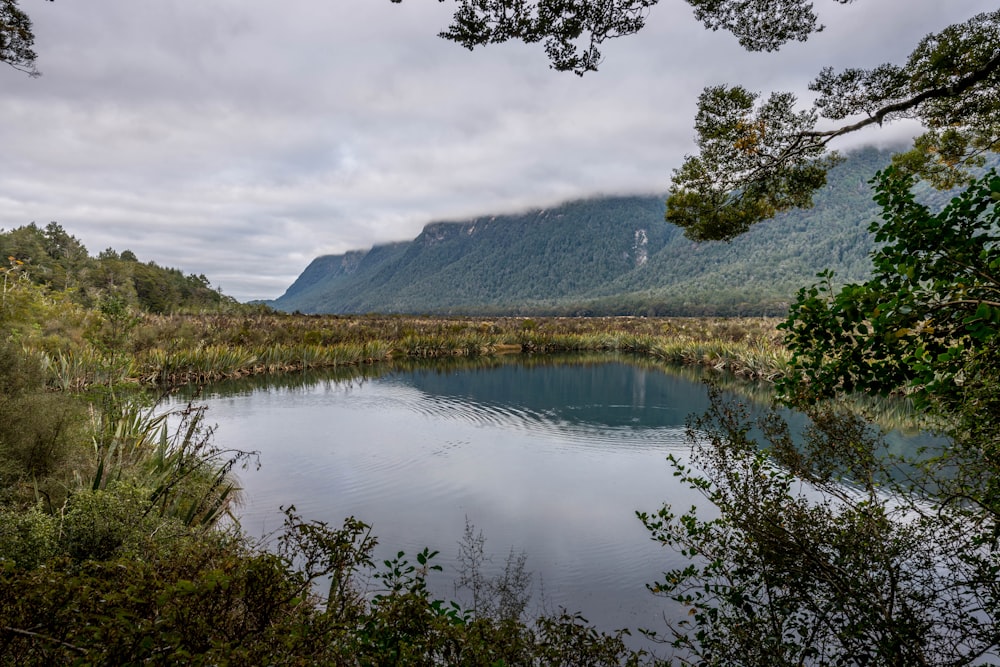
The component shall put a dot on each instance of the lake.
(550, 456)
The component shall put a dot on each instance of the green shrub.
(104, 524)
(27, 538)
(39, 431)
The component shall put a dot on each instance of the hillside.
(609, 255)
(57, 260)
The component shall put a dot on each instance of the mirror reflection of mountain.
(549, 454)
(608, 389)
(609, 394)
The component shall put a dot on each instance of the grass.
(172, 350)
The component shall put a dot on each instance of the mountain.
(608, 255)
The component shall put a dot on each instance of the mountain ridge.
(610, 255)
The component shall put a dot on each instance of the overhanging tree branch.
(955, 90)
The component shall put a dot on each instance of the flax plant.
(72, 370)
(169, 454)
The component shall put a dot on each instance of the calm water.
(553, 460)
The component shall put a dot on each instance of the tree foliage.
(757, 158)
(820, 552)
(929, 315)
(16, 38)
(572, 30)
(53, 258)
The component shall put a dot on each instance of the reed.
(755, 358)
(72, 370)
(199, 364)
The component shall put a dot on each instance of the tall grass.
(179, 349)
(755, 359)
(78, 368)
(218, 362)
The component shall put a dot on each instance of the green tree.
(829, 550)
(761, 155)
(572, 30)
(16, 38)
(928, 324)
(928, 317)
(797, 567)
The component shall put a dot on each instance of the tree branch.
(953, 90)
(35, 635)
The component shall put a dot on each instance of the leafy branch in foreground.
(16, 38)
(572, 30)
(759, 158)
(928, 317)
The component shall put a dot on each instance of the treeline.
(55, 259)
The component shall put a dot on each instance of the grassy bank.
(179, 349)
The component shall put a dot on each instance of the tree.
(930, 312)
(798, 568)
(927, 324)
(828, 550)
(759, 156)
(572, 30)
(16, 38)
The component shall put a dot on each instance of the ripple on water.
(560, 482)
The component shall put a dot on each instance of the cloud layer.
(242, 138)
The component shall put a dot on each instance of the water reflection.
(552, 455)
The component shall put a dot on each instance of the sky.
(240, 139)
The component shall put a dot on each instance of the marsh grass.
(172, 350)
(753, 358)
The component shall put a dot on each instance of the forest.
(604, 256)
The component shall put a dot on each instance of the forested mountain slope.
(609, 255)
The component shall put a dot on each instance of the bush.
(27, 539)
(38, 430)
